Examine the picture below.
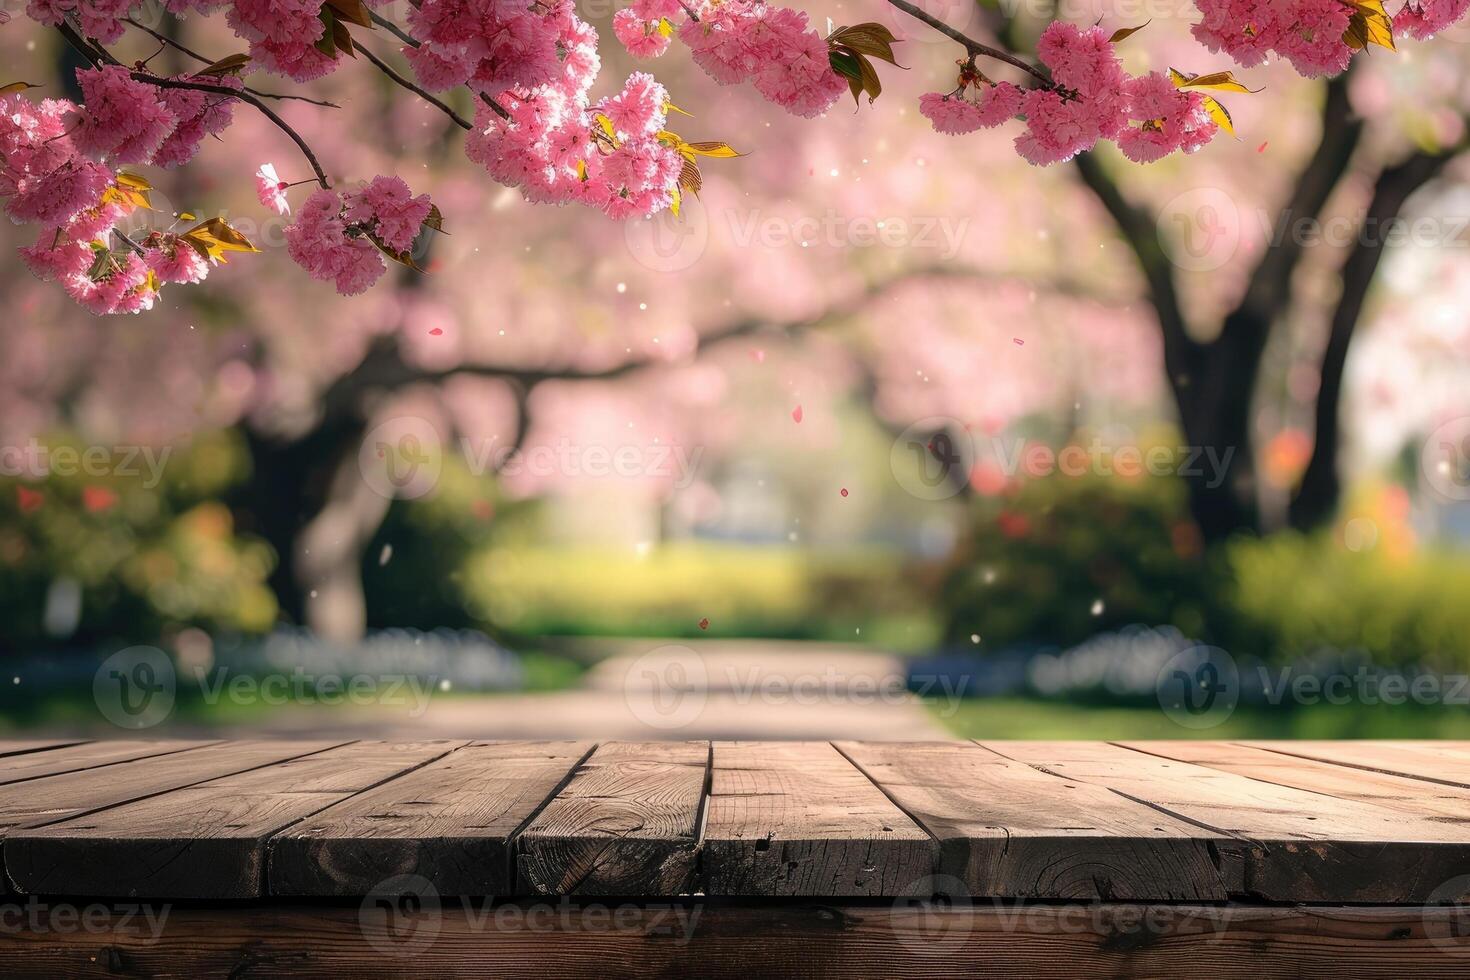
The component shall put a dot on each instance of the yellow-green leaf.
(1124, 33)
(1220, 81)
(1219, 114)
(212, 237)
(225, 65)
(16, 87)
(712, 148)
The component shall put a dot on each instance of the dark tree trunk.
(288, 486)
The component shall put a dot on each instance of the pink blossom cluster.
(559, 147)
(283, 35)
(1092, 99)
(491, 45)
(1308, 33)
(57, 173)
(126, 120)
(742, 41)
(1426, 18)
(333, 236)
(102, 19)
(46, 179)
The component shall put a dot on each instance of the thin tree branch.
(100, 54)
(178, 46)
(394, 29)
(393, 74)
(972, 46)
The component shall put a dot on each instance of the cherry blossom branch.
(972, 46)
(398, 78)
(98, 54)
(180, 47)
(393, 29)
(414, 42)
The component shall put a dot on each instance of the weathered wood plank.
(450, 822)
(625, 824)
(1287, 844)
(19, 746)
(1444, 763)
(206, 841)
(1007, 830)
(731, 942)
(797, 818)
(56, 798)
(1414, 796)
(87, 755)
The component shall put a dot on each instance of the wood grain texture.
(725, 942)
(1418, 797)
(43, 801)
(1008, 830)
(88, 755)
(206, 841)
(18, 746)
(1443, 762)
(450, 822)
(1283, 844)
(625, 824)
(797, 818)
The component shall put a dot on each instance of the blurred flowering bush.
(100, 559)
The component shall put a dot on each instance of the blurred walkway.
(657, 690)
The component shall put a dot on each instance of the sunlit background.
(779, 467)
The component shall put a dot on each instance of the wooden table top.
(1315, 822)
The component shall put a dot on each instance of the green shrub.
(1297, 595)
(132, 559)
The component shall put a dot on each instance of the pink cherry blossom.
(123, 120)
(318, 242)
(390, 209)
(271, 189)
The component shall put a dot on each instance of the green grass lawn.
(1022, 718)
